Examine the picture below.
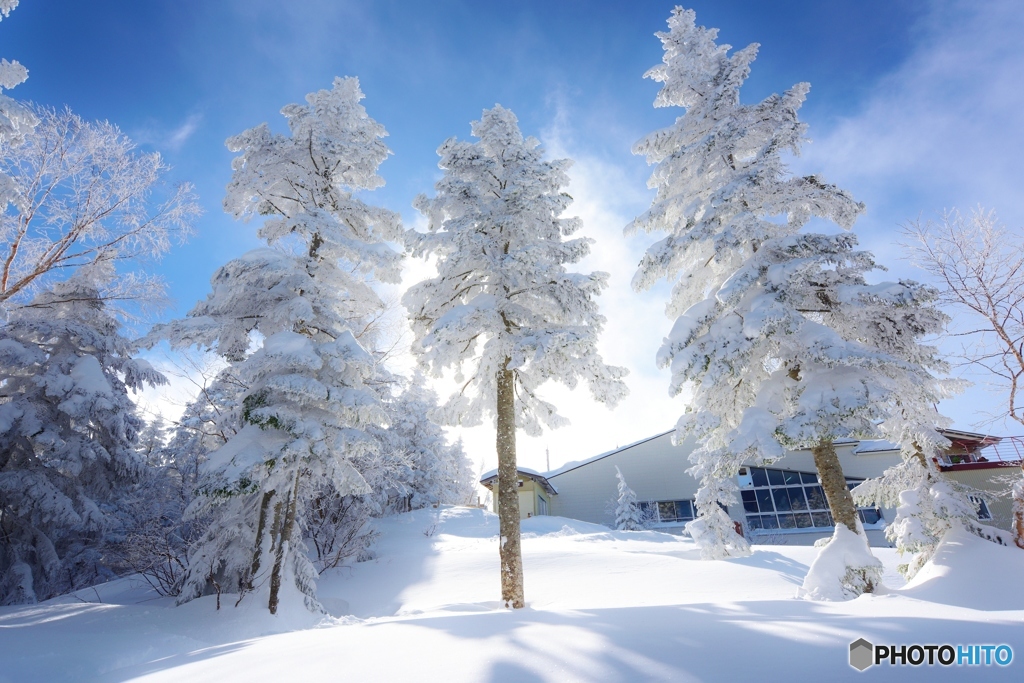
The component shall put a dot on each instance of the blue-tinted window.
(669, 510)
(870, 515)
(816, 498)
(759, 476)
(798, 499)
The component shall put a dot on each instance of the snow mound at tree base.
(844, 569)
(967, 571)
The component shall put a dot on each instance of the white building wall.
(656, 470)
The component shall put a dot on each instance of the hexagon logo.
(861, 654)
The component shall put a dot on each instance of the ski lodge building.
(781, 503)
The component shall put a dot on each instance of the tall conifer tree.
(778, 336)
(503, 310)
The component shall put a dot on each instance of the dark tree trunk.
(508, 493)
(840, 501)
(283, 543)
(261, 526)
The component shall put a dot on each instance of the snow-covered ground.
(602, 606)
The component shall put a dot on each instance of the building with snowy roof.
(781, 503)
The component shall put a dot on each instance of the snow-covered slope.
(602, 605)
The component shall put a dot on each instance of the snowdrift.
(602, 605)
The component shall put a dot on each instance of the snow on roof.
(533, 474)
(876, 446)
(580, 463)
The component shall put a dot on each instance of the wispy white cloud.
(180, 135)
(944, 129)
(168, 138)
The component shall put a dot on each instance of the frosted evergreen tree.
(68, 433)
(308, 404)
(158, 533)
(413, 467)
(778, 336)
(927, 506)
(627, 513)
(431, 470)
(153, 441)
(503, 310)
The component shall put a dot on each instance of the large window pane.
(769, 522)
(870, 516)
(775, 478)
(684, 510)
(796, 498)
(791, 477)
(667, 511)
(821, 519)
(749, 501)
(764, 500)
(808, 478)
(816, 498)
(787, 522)
(759, 476)
(754, 521)
(781, 497)
(803, 520)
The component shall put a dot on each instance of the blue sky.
(914, 107)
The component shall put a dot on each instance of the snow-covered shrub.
(68, 433)
(628, 516)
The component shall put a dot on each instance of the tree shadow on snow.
(770, 640)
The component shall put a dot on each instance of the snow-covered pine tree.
(152, 441)
(433, 471)
(158, 533)
(413, 467)
(627, 513)
(927, 506)
(778, 336)
(307, 406)
(68, 432)
(503, 310)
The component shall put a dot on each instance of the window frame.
(793, 510)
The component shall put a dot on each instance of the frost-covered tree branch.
(83, 194)
(979, 266)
